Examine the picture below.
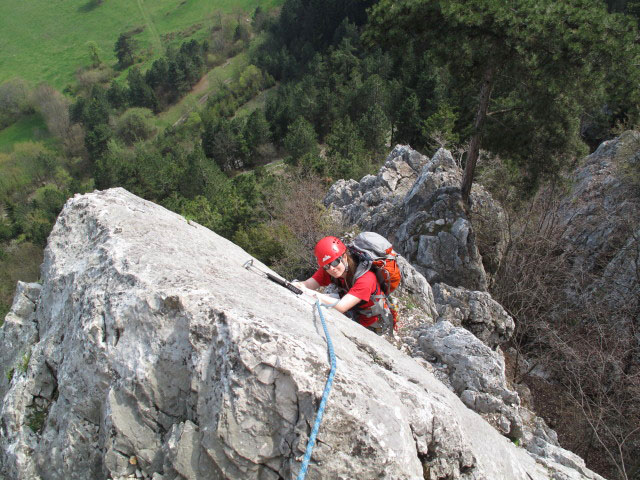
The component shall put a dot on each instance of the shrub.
(299, 220)
(14, 101)
(134, 125)
(36, 418)
(37, 227)
(55, 110)
(264, 241)
(586, 344)
(50, 199)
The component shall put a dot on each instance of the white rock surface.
(158, 355)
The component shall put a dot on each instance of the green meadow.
(46, 40)
(29, 128)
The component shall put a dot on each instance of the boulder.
(158, 355)
(476, 311)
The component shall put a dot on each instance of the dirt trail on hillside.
(201, 87)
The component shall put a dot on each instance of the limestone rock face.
(157, 354)
(601, 221)
(415, 202)
(20, 331)
(475, 311)
(477, 374)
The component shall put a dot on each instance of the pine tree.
(124, 50)
(521, 72)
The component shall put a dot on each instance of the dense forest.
(531, 86)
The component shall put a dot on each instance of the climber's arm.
(309, 283)
(344, 304)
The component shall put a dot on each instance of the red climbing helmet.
(328, 249)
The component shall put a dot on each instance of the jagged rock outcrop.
(158, 353)
(601, 222)
(477, 374)
(474, 371)
(416, 203)
(476, 311)
(458, 252)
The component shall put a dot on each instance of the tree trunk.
(474, 147)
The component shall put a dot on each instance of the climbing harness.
(325, 396)
(283, 283)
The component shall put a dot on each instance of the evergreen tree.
(117, 95)
(177, 82)
(156, 76)
(528, 65)
(256, 131)
(346, 155)
(301, 139)
(408, 120)
(124, 49)
(374, 127)
(93, 113)
(223, 141)
(140, 94)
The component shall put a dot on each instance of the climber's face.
(336, 271)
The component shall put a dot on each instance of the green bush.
(134, 125)
(23, 366)
(263, 242)
(36, 418)
(38, 225)
(4, 309)
(197, 209)
(5, 233)
(50, 199)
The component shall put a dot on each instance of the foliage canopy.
(519, 74)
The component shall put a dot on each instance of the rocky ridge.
(600, 222)
(149, 350)
(416, 202)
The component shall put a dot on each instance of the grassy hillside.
(31, 127)
(44, 40)
(210, 82)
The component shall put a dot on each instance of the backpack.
(375, 253)
(379, 251)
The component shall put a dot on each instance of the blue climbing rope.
(325, 396)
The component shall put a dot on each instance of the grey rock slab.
(164, 348)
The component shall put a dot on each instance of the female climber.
(361, 297)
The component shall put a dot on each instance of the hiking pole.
(283, 283)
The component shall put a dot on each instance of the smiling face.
(339, 270)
